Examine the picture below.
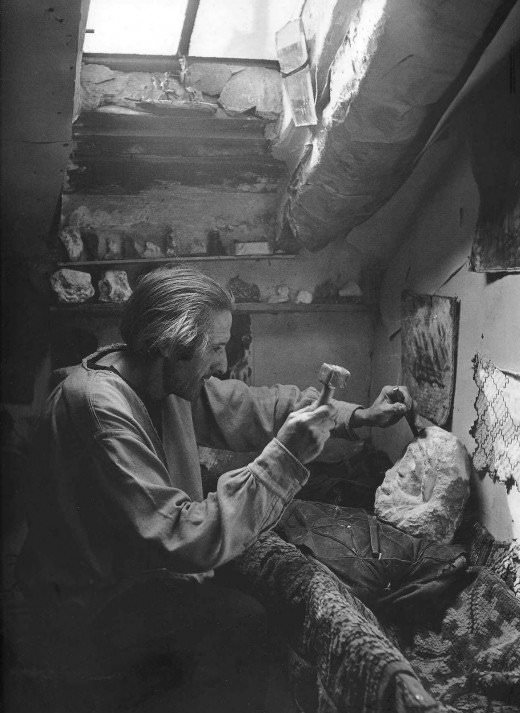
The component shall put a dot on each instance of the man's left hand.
(386, 409)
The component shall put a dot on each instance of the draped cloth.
(343, 660)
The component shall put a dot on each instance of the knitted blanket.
(344, 661)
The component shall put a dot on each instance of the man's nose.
(220, 365)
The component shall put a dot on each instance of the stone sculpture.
(71, 239)
(72, 286)
(424, 493)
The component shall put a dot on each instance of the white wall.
(438, 242)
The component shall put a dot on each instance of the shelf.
(96, 309)
(169, 260)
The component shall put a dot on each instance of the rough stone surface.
(281, 294)
(424, 493)
(350, 289)
(209, 78)
(244, 291)
(114, 287)
(73, 243)
(72, 286)
(101, 85)
(304, 297)
(255, 88)
(114, 247)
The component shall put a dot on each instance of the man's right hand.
(306, 431)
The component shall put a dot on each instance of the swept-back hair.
(170, 312)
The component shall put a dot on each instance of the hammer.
(332, 377)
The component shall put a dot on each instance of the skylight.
(135, 26)
(241, 29)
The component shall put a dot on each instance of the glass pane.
(240, 28)
(135, 26)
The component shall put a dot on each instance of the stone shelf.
(96, 309)
(167, 260)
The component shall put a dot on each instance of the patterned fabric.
(472, 661)
(497, 427)
(342, 662)
(503, 558)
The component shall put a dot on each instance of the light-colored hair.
(170, 312)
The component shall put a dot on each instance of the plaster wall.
(433, 259)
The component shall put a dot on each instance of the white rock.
(424, 493)
(114, 287)
(253, 88)
(71, 239)
(350, 289)
(152, 250)
(72, 286)
(304, 297)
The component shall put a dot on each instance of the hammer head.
(333, 376)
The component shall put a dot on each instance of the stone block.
(72, 286)
(254, 88)
(73, 243)
(209, 78)
(425, 492)
(114, 287)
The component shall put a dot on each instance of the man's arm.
(233, 416)
(157, 521)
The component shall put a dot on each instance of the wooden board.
(134, 173)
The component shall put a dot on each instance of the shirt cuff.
(343, 418)
(279, 470)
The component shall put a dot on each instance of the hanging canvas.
(494, 142)
(497, 427)
(429, 331)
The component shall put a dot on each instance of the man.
(118, 513)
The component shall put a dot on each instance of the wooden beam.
(187, 28)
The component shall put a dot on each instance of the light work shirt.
(110, 499)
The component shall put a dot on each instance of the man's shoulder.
(95, 389)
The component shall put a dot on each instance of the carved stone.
(72, 286)
(114, 287)
(424, 493)
(71, 239)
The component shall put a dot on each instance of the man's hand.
(305, 431)
(385, 411)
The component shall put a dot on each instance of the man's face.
(410, 481)
(185, 377)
